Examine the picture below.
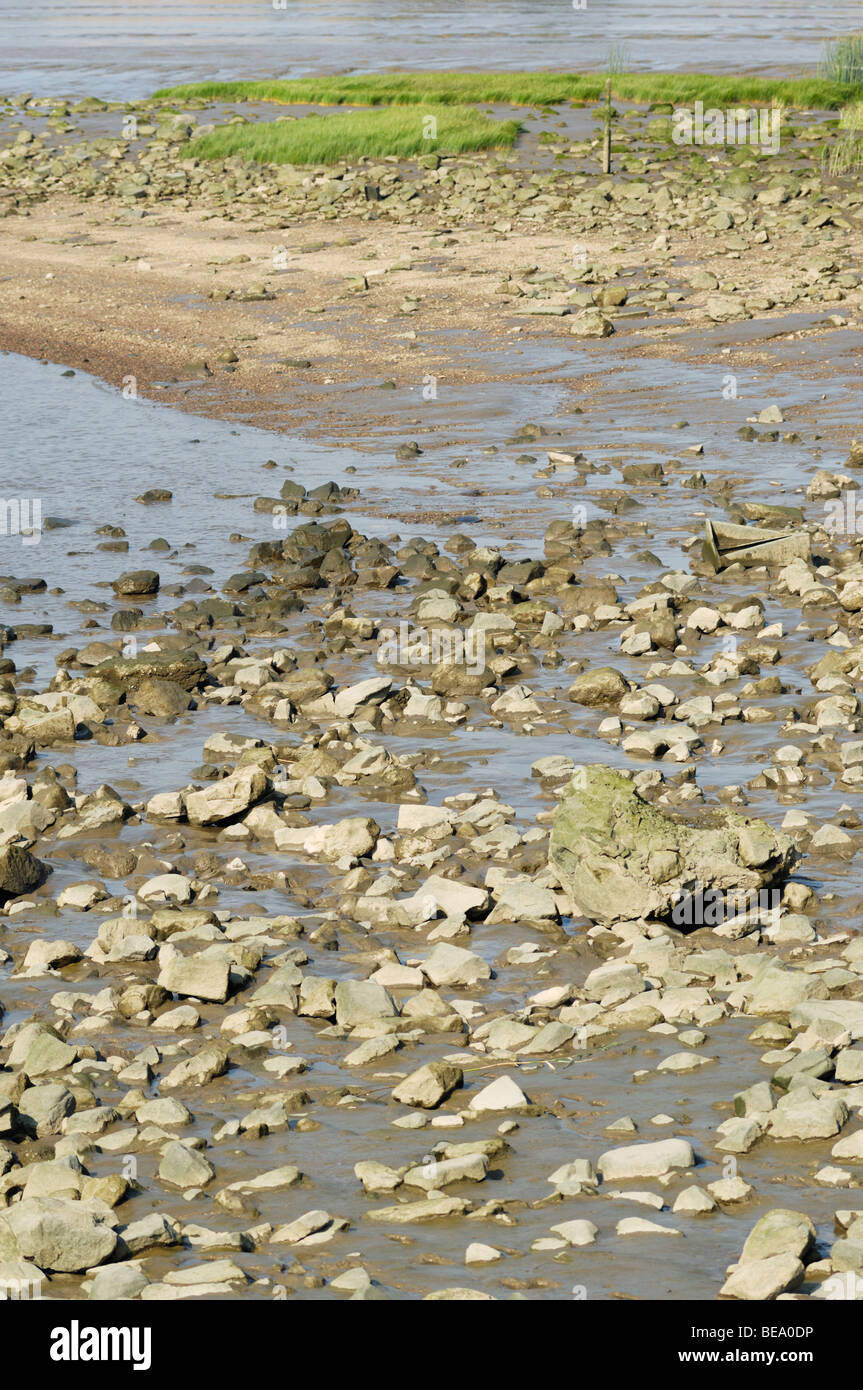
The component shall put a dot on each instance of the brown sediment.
(147, 322)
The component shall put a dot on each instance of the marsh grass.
(535, 89)
(355, 134)
(846, 155)
(843, 59)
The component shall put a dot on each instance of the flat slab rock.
(620, 857)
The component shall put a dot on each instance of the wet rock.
(599, 688)
(136, 582)
(20, 872)
(650, 1160)
(197, 978)
(763, 1280)
(361, 1001)
(226, 799)
(184, 1167)
(428, 1086)
(502, 1094)
(621, 857)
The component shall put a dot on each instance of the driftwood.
(726, 544)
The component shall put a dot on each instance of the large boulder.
(55, 1234)
(621, 858)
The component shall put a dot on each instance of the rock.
(807, 1117)
(502, 1094)
(452, 965)
(409, 1213)
(361, 1001)
(739, 1135)
(845, 1014)
(850, 1149)
(694, 1201)
(56, 1234)
(590, 323)
(478, 1254)
(149, 1233)
(603, 687)
(115, 1282)
(437, 1173)
(452, 897)
(649, 1160)
(42, 1109)
(163, 698)
(136, 582)
(729, 1190)
(777, 990)
(199, 1070)
(20, 872)
(519, 902)
(231, 797)
(763, 1280)
(723, 307)
(38, 1051)
(621, 858)
(186, 668)
(576, 1232)
(377, 1177)
(638, 1226)
(312, 1223)
(428, 1086)
(571, 1179)
(197, 978)
(779, 1232)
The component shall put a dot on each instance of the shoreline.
(431, 318)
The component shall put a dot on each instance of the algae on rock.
(620, 857)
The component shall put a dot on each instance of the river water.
(123, 52)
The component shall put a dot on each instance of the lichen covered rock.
(620, 857)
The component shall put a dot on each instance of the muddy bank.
(128, 259)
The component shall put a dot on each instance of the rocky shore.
(245, 1008)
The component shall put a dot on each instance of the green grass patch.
(821, 93)
(353, 134)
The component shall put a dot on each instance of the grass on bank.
(823, 93)
(354, 134)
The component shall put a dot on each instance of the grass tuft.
(357, 134)
(843, 59)
(822, 93)
(846, 156)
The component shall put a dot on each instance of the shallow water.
(86, 453)
(123, 52)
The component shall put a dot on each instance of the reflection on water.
(120, 51)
